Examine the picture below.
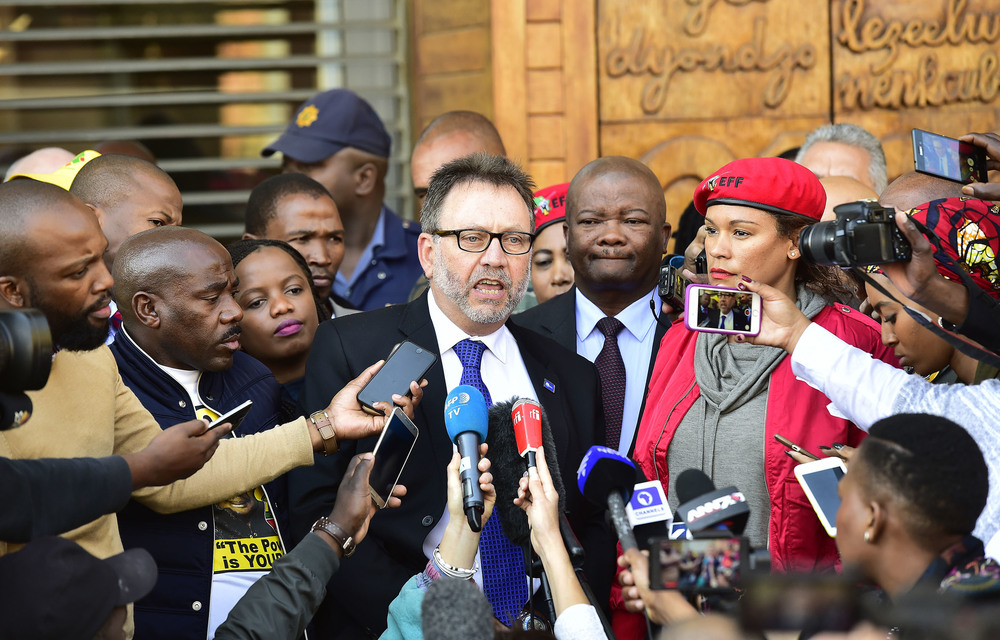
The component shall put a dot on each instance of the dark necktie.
(611, 368)
(722, 321)
(504, 580)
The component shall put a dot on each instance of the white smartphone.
(721, 310)
(819, 480)
(391, 453)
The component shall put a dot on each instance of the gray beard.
(458, 291)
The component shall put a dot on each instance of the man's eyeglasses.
(514, 243)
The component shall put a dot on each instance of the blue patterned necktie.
(504, 580)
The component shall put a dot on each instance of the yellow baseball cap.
(64, 175)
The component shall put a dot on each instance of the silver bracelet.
(452, 572)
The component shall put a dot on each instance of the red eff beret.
(550, 205)
(775, 185)
(969, 231)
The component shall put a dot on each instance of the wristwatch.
(325, 427)
(330, 528)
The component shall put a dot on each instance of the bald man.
(616, 235)
(450, 136)
(178, 352)
(913, 189)
(128, 195)
(842, 189)
(50, 258)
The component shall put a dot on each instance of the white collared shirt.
(503, 372)
(635, 342)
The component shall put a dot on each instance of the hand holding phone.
(794, 447)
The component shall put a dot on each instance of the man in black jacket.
(475, 250)
(616, 234)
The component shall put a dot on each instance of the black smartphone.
(406, 362)
(948, 158)
(708, 565)
(234, 417)
(391, 453)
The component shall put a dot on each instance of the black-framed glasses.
(513, 243)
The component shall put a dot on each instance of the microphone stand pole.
(533, 563)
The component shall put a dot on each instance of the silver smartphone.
(391, 453)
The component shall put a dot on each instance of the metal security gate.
(204, 85)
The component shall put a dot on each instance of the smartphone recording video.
(709, 565)
(948, 158)
(722, 310)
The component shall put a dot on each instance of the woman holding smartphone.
(280, 311)
(716, 402)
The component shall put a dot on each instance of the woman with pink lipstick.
(715, 402)
(280, 310)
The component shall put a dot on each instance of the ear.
(12, 292)
(365, 179)
(878, 518)
(792, 251)
(249, 236)
(99, 212)
(425, 251)
(666, 237)
(144, 309)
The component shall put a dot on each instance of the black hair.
(826, 281)
(931, 464)
(262, 206)
(240, 249)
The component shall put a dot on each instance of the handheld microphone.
(606, 478)
(706, 509)
(454, 609)
(465, 418)
(527, 418)
(508, 466)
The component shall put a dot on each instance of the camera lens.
(25, 350)
(816, 242)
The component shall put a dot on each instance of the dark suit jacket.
(360, 592)
(556, 319)
(740, 320)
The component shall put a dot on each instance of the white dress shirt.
(503, 374)
(635, 342)
(866, 390)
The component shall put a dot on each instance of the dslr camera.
(25, 362)
(863, 234)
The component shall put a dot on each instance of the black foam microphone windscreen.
(693, 483)
(508, 467)
(455, 609)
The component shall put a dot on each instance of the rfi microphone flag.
(527, 418)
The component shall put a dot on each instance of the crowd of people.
(173, 525)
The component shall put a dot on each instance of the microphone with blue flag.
(607, 478)
(466, 419)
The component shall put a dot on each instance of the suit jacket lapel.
(546, 382)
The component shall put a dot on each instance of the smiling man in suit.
(475, 250)
(616, 234)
